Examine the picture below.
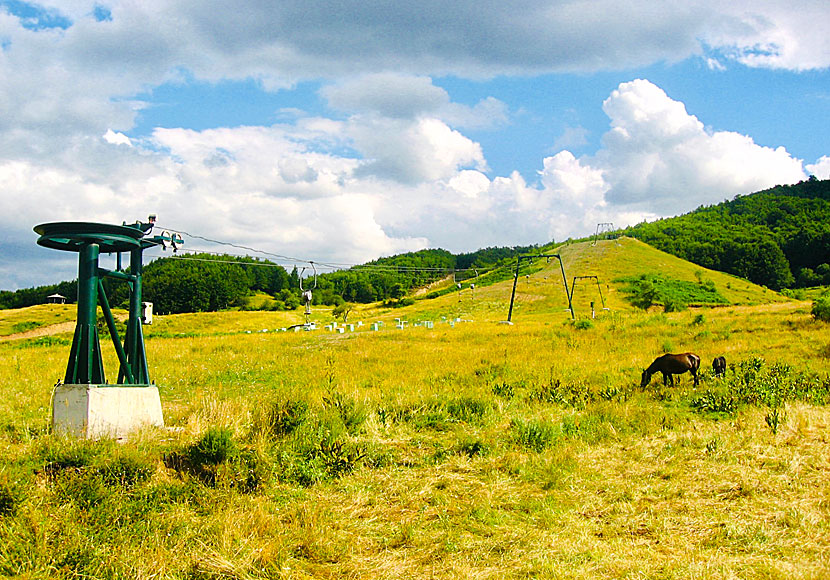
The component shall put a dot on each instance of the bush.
(468, 410)
(317, 454)
(216, 460)
(215, 447)
(8, 501)
(283, 417)
(674, 305)
(534, 435)
(821, 308)
(351, 412)
(643, 294)
(569, 395)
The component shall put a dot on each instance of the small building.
(56, 299)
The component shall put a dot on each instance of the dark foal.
(670, 365)
(719, 366)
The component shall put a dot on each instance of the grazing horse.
(719, 366)
(672, 364)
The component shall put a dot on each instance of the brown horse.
(672, 364)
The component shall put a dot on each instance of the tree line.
(207, 282)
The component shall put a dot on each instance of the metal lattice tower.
(89, 240)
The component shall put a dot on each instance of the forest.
(779, 238)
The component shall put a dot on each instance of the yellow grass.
(656, 491)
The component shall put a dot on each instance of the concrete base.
(104, 411)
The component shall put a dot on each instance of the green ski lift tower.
(85, 404)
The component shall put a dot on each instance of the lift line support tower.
(529, 257)
(85, 404)
(592, 277)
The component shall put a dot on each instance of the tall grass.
(478, 450)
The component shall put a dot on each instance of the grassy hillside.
(540, 292)
(470, 451)
(612, 261)
(466, 450)
(26, 319)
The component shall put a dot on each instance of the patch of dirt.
(42, 331)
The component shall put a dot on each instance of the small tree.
(343, 309)
(644, 294)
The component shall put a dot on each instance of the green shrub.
(468, 409)
(643, 294)
(8, 501)
(215, 447)
(473, 448)
(317, 454)
(711, 402)
(821, 308)
(504, 390)
(674, 305)
(217, 461)
(533, 434)
(25, 326)
(571, 395)
(774, 418)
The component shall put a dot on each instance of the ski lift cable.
(241, 247)
(331, 265)
(194, 253)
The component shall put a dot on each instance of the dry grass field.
(472, 450)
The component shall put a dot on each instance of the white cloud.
(117, 138)
(388, 95)
(772, 34)
(407, 183)
(398, 96)
(412, 151)
(821, 168)
(85, 78)
(398, 172)
(660, 158)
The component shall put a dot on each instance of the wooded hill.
(779, 237)
(207, 282)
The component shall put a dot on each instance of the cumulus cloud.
(413, 151)
(821, 169)
(395, 168)
(83, 75)
(399, 96)
(392, 184)
(117, 138)
(661, 158)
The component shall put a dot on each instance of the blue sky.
(344, 131)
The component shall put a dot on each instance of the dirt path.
(42, 331)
